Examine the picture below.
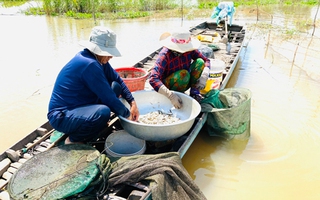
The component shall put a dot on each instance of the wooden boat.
(39, 140)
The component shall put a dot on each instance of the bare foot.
(67, 141)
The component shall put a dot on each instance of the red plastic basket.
(133, 77)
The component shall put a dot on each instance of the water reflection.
(279, 160)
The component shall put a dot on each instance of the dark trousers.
(82, 124)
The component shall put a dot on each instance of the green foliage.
(131, 14)
(98, 15)
(287, 3)
(70, 13)
(8, 4)
(114, 8)
(310, 2)
(82, 15)
(207, 5)
(35, 11)
(133, 8)
(290, 31)
(75, 15)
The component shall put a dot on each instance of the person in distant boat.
(179, 66)
(87, 90)
(224, 10)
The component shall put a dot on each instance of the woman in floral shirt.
(180, 66)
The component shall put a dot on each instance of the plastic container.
(215, 75)
(121, 143)
(133, 77)
(206, 51)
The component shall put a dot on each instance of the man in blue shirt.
(87, 90)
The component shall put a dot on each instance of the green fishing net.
(58, 173)
(228, 112)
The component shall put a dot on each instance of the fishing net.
(59, 173)
(81, 172)
(165, 172)
(228, 112)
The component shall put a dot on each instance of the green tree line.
(115, 9)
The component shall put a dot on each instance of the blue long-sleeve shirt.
(84, 81)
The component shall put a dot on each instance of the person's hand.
(134, 111)
(202, 81)
(130, 117)
(174, 98)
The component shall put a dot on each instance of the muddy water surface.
(280, 160)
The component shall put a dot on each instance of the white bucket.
(121, 143)
(215, 75)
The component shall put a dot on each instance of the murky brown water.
(280, 160)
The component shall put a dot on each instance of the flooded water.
(280, 160)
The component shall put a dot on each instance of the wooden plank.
(4, 195)
(12, 170)
(29, 145)
(13, 155)
(27, 156)
(45, 144)
(4, 165)
(22, 160)
(3, 183)
(42, 131)
(39, 140)
(28, 138)
(40, 148)
(16, 165)
(7, 175)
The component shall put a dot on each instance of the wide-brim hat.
(102, 41)
(180, 41)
